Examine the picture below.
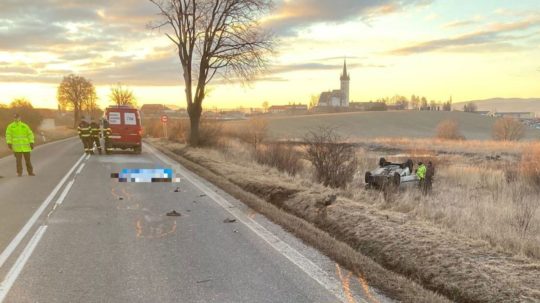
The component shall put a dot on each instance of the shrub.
(508, 129)
(178, 131)
(210, 133)
(525, 204)
(257, 131)
(282, 156)
(449, 130)
(530, 165)
(335, 162)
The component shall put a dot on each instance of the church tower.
(345, 79)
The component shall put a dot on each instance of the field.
(504, 105)
(475, 238)
(398, 124)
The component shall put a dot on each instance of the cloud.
(289, 16)
(495, 33)
(459, 23)
(278, 69)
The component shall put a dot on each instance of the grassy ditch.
(392, 284)
(460, 268)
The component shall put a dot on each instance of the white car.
(392, 174)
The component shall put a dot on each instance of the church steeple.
(345, 76)
(345, 81)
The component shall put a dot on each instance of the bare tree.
(78, 94)
(214, 37)
(265, 106)
(121, 95)
(508, 129)
(334, 161)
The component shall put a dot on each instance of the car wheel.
(137, 150)
(368, 178)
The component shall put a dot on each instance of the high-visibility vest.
(20, 136)
(421, 172)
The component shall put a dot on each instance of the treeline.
(23, 107)
(78, 94)
(415, 103)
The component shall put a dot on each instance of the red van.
(126, 128)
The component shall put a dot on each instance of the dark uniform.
(95, 132)
(85, 135)
(430, 174)
(107, 135)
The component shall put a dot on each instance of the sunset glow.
(433, 48)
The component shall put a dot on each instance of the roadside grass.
(461, 242)
(212, 168)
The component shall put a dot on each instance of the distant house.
(372, 106)
(154, 109)
(276, 109)
(232, 115)
(516, 115)
(482, 112)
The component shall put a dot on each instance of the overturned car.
(392, 174)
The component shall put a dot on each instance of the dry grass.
(391, 284)
(484, 147)
(457, 242)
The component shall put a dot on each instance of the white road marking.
(80, 168)
(87, 157)
(65, 192)
(26, 228)
(19, 264)
(305, 264)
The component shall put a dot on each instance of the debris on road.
(203, 195)
(204, 281)
(177, 190)
(229, 220)
(173, 213)
(120, 198)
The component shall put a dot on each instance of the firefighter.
(95, 133)
(421, 174)
(85, 135)
(20, 140)
(106, 135)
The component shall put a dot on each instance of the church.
(338, 97)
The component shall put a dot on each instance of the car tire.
(137, 150)
(368, 178)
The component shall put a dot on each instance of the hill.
(505, 105)
(396, 124)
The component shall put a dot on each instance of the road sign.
(164, 119)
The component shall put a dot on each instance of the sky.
(464, 49)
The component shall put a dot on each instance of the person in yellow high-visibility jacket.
(421, 174)
(20, 140)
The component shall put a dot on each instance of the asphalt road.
(73, 234)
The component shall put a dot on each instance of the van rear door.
(131, 126)
(115, 123)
